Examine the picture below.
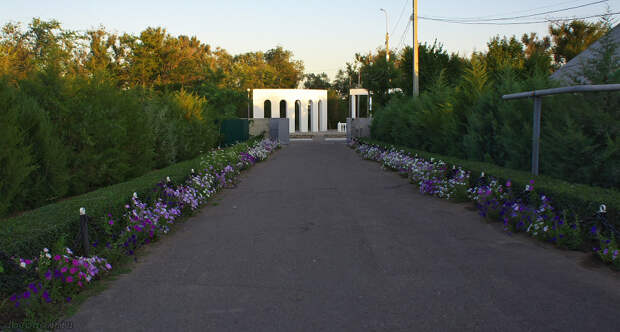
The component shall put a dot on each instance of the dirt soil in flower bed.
(317, 239)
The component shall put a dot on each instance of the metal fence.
(538, 94)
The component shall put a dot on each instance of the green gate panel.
(234, 130)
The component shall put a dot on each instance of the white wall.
(290, 96)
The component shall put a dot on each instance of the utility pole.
(416, 82)
(387, 37)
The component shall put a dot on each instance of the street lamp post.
(248, 103)
(387, 36)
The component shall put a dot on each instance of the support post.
(416, 79)
(536, 134)
(84, 230)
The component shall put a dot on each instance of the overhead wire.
(402, 37)
(547, 20)
(402, 11)
(460, 19)
(516, 11)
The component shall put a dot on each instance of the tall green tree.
(379, 75)
(316, 81)
(537, 53)
(433, 59)
(572, 38)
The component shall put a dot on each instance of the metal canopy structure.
(537, 94)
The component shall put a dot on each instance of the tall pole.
(416, 81)
(387, 37)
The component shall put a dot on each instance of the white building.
(306, 109)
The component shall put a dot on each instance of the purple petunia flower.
(593, 229)
(26, 295)
(69, 279)
(57, 257)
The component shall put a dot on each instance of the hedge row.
(26, 234)
(580, 199)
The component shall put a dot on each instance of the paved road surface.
(316, 239)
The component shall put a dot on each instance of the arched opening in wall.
(297, 115)
(267, 108)
(282, 109)
(320, 110)
(310, 109)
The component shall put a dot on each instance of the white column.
(323, 123)
(311, 115)
(290, 114)
(319, 111)
(303, 114)
(275, 108)
(353, 106)
(258, 105)
(314, 120)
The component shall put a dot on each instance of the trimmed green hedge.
(25, 235)
(580, 199)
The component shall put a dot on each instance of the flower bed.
(57, 276)
(520, 210)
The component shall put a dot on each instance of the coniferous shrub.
(50, 180)
(16, 162)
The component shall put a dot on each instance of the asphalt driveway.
(316, 239)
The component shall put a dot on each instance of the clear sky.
(324, 34)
